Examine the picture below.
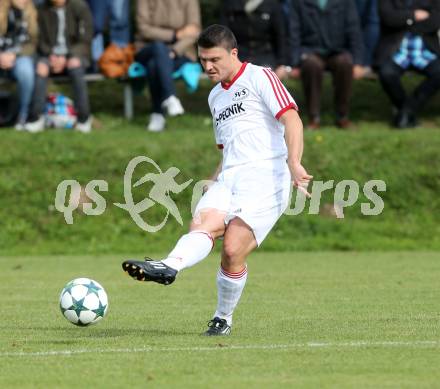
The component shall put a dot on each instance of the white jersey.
(245, 116)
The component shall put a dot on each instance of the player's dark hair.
(217, 35)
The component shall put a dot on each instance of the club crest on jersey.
(240, 94)
(229, 112)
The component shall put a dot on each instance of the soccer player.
(260, 134)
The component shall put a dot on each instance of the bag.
(60, 111)
(190, 73)
(115, 60)
(8, 109)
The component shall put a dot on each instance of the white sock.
(190, 249)
(229, 288)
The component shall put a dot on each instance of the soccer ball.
(83, 302)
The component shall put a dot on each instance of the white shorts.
(258, 194)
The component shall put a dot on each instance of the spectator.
(63, 46)
(409, 40)
(326, 35)
(118, 12)
(286, 8)
(18, 39)
(259, 26)
(369, 19)
(165, 39)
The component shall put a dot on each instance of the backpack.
(115, 60)
(60, 111)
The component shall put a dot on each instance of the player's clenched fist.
(300, 178)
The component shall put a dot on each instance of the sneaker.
(218, 327)
(150, 270)
(84, 127)
(36, 126)
(19, 126)
(173, 106)
(157, 122)
(405, 118)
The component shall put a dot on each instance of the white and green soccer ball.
(83, 302)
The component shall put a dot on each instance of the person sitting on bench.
(66, 31)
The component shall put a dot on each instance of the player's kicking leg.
(238, 242)
(190, 249)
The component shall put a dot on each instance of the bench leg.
(128, 101)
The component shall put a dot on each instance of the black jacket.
(79, 28)
(260, 34)
(334, 30)
(397, 18)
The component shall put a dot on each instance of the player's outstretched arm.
(295, 145)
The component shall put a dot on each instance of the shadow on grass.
(93, 332)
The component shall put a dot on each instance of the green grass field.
(340, 320)
(332, 303)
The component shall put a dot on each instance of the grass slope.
(31, 167)
(341, 320)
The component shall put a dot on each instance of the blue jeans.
(286, 9)
(370, 25)
(160, 67)
(119, 12)
(24, 72)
